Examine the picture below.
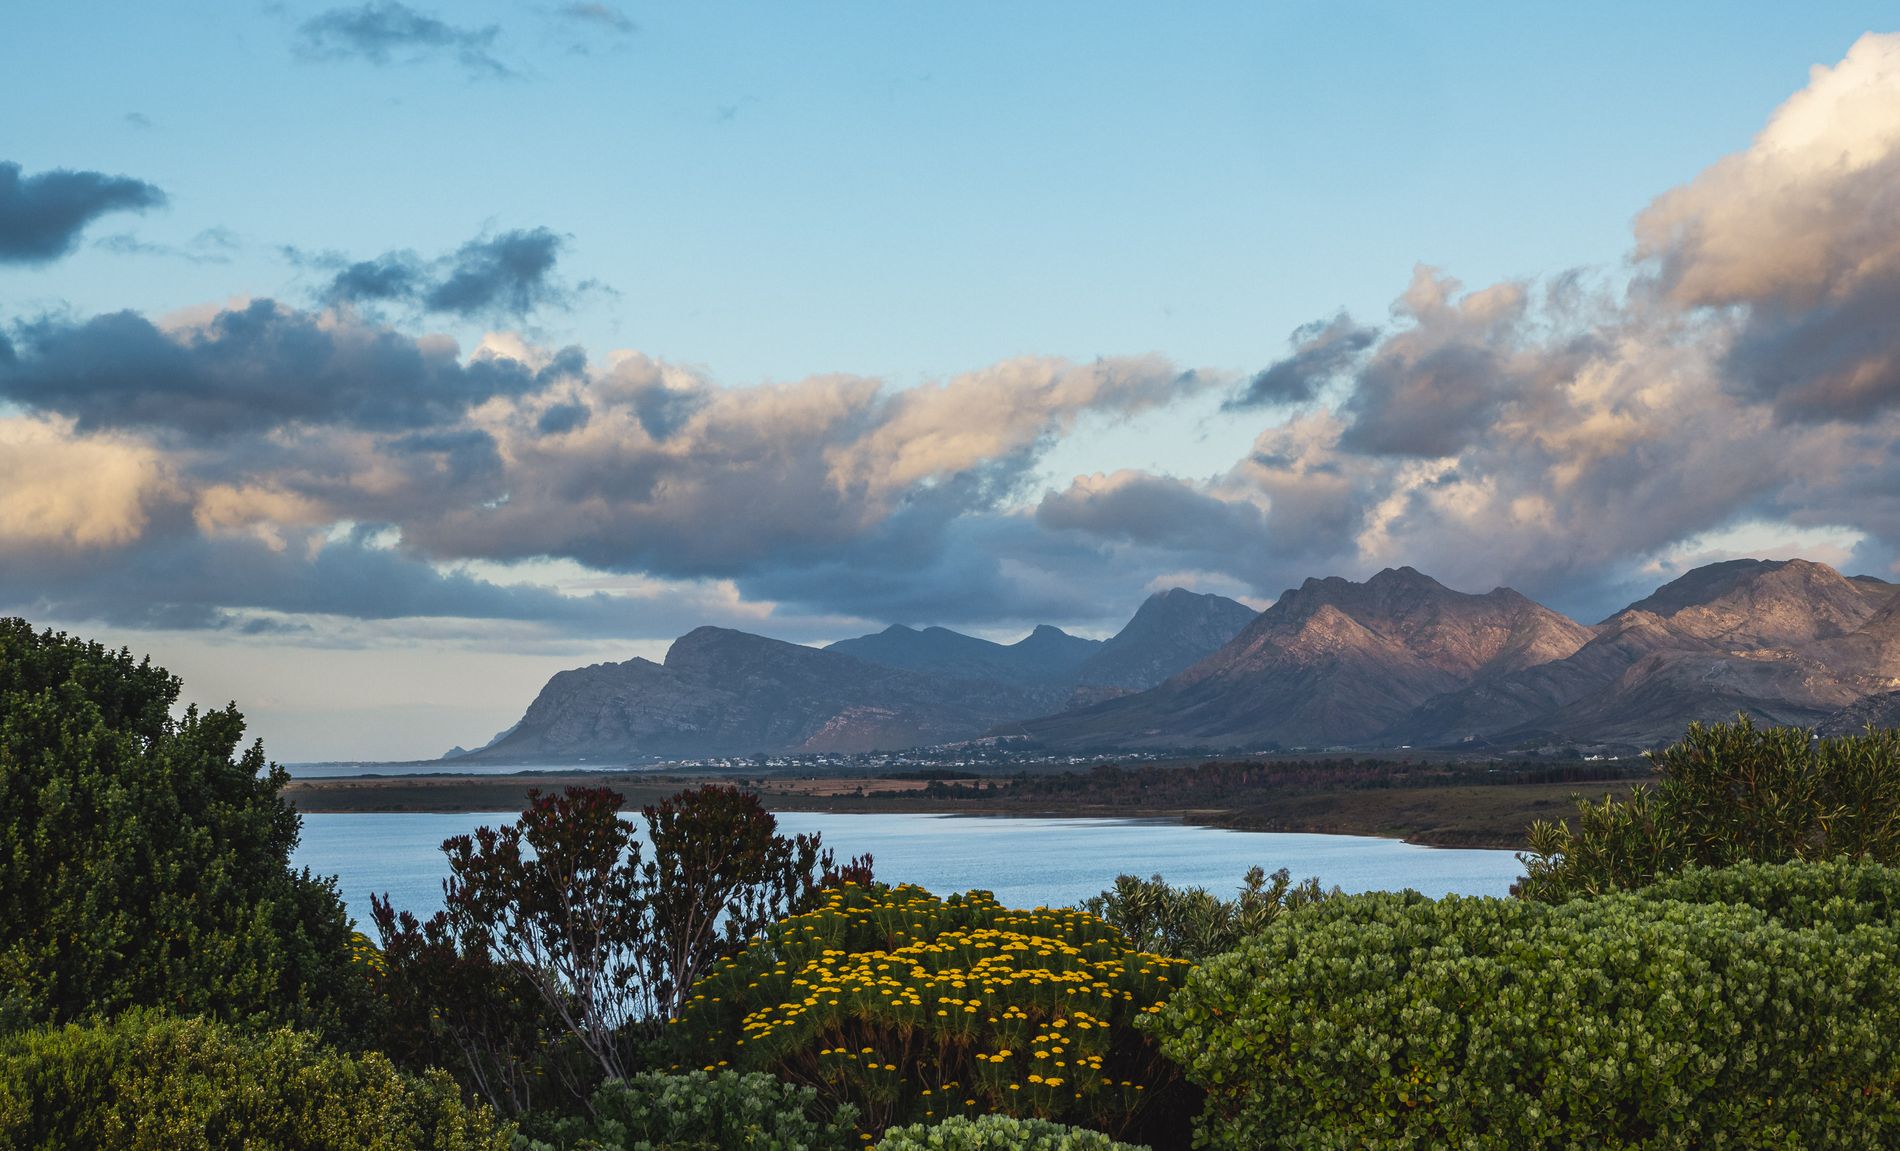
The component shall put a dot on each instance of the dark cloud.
(967, 569)
(41, 216)
(139, 120)
(501, 277)
(1836, 361)
(561, 419)
(188, 580)
(1158, 511)
(507, 275)
(1429, 406)
(392, 276)
(1322, 351)
(248, 369)
(461, 457)
(663, 411)
(386, 32)
(772, 477)
(570, 363)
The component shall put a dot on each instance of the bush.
(1838, 893)
(611, 942)
(1728, 793)
(1192, 922)
(699, 1111)
(997, 1133)
(447, 1004)
(914, 1008)
(1634, 1020)
(149, 1082)
(148, 860)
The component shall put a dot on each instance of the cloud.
(1798, 235)
(247, 369)
(603, 16)
(1157, 511)
(278, 424)
(506, 277)
(212, 246)
(391, 276)
(1322, 351)
(1570, 440)
(385, 32)
(1563, 436)
(1435, 384)
(67, 493)
(41, 216)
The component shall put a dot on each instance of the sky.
(368, 363)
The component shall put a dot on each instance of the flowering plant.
(914, 1008)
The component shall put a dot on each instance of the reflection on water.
(1026, 862)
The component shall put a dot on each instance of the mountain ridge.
(1395, 659)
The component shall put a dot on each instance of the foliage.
(997, 1133)
(914, 1008)
(449, 1004)
(149, 1082)
(700, 1111)
(610, 940)
(1728, 793)
(1630, 1020)
(146, 860)
(1192, 922)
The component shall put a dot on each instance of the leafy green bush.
(149, 1082)
(1838, 893)
(1192, 922)
(147, 859)
(997, 1133)
(1634, 1020)
(699, 1111)
(446, 1003)
(1728, 793)
(915, 1008)
(564, 900)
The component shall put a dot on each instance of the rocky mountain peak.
(1761, 603)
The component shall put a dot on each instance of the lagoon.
(1025, 862)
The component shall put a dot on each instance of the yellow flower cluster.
(367, 955)
(914, 1007)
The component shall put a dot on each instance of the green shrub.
(149, 1082)
(997, 1133)
(915, 1008)
(1840, 893)
(1728, 793)
(1192, 922)
(699, 1111)
(1391, 1021)
(147, 858)
(565, 899)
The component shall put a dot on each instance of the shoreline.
(1465, 816)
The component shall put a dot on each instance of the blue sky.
(910, 190)
(756, 197)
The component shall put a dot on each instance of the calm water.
(1026, 862)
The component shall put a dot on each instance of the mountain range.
(722, 692)
(1396, 660)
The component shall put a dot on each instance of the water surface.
(1026, 862)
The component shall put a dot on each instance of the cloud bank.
(265, 463)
